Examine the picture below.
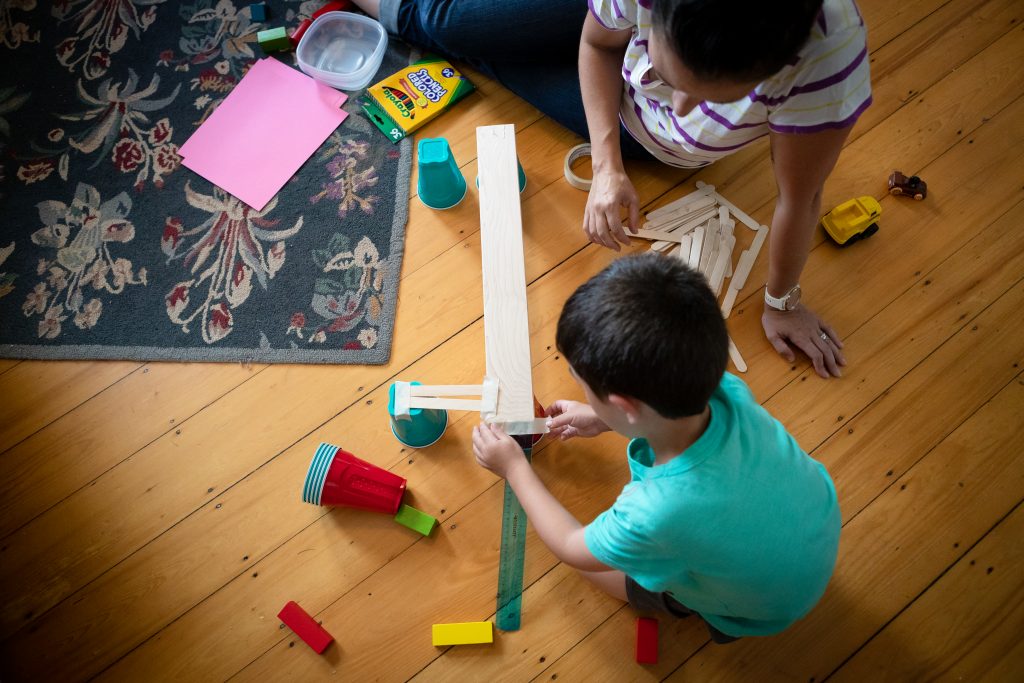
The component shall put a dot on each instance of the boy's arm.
(555, 525)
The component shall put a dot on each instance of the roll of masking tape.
(574, 154)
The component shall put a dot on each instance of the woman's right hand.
(610, 191)
(572, 418)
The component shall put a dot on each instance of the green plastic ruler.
(512, 559)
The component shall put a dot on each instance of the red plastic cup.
(337, 477)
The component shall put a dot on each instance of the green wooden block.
(415, 520)
(274, 39)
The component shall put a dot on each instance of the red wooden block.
(300, 31)
(647, 640)
(305, 627)
(332, 7)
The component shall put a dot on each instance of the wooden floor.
(150, 517)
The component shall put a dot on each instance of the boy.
(725, 516)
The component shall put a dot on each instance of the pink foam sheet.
(262, 132)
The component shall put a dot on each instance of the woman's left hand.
(802, 328)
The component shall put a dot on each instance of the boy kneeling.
(724, 516)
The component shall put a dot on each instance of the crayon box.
(406, 100)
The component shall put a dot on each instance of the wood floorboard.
(150, 522)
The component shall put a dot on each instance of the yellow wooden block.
(468, 633)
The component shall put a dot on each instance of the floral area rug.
(110, 248)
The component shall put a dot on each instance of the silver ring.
(824, 337)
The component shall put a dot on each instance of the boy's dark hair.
(735, 40)
(647, 327)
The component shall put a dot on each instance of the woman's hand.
(803, 329)
(602, 221)
(495, 450)
(572, 418)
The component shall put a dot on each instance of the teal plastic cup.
(422, 427)
(522, 178)
(440, 184)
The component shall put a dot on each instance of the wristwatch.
(786, 302)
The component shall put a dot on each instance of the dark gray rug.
(109, 248)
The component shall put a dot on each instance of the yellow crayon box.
(404, 101)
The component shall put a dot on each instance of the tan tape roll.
(574, 154)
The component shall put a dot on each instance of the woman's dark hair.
(735, 40)
(647, 327)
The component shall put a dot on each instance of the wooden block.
(506, 328)
(274, 40)
(646, 640)
(415, 520)
(258, 11)
(305, 627)
(466, 633)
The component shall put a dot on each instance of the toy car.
(853, 220)
(913, 186)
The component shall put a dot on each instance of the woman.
(685, 82)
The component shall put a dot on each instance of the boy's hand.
(495, 450)
(572, 418)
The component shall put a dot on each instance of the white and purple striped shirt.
(828, 85)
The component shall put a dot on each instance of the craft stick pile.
(701, 228)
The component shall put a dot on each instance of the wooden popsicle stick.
(684, 248)
(683, 212)
(695, 248)
(741, 215)
(710, 248)
(666, 237)
(737, 359)
(444, 403)
(743, 268)
(690, 198)
(446, 390)
(725, 247)
(689, 225)
(677, 223)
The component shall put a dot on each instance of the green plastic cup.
(422, 427)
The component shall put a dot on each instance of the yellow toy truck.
(853, 220)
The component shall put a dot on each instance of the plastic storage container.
(342, 50)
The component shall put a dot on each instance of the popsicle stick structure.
(701, 224)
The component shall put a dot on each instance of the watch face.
(793, 298)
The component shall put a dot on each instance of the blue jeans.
(529, 46)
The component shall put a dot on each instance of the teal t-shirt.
(742, 527)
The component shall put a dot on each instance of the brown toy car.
(911, 187)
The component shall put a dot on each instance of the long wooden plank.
(506, 324)
(963, 627)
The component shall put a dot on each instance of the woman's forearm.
(601, 86)
(792, 230)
